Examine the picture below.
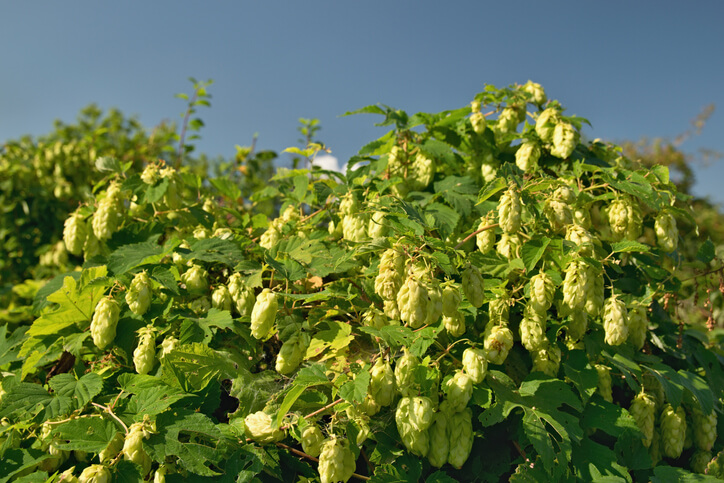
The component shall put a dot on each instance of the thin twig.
(183, 129)
(310, 415)
(108, 410)
(487, 227)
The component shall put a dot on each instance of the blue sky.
(634, 69)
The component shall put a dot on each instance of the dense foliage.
(480, 296)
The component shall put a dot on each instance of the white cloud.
(327, 161)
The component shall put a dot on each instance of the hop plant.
(373, 317)
(150, 174)
(546, 123)
(454, 324)
(104, 322)
(509, 211)
(472, 281)
(699, 461)
(542, 289)
(382, 384)
(547, 360)
(133, 446)
(704, 426)
(107, 216)
(75, 232)
(264, 314)
(159, 476)
(673, 430)
(459, 389)
(574, 285)
(292, 353)
(498, 342)
(451, 299)
(421, 172)
(615, 321)
(272, 235)
(565, 139)
(532, 330)
(312, 440)
(439, 441)
(460, 430)
(582, 238)
(475, 364)
(637, 325)
(485, 239)
(508, 246)
(377, 228)
(241, 294)
(536, 91)
(405, 373)
(667, 234)
(413, 302)
(138, 296)
(259, 427)
(420, 411)
(115, 446)
(499, 309)
(221, 298)
(354, 228)
(196, 279)
(643, 410)
(415, 440)
(391, 274)
(95, 474)
(336, 461)
(144, 356)
(527, 155)
(593, 290)
(624, 219)
(605, 383)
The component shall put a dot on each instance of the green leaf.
(289, 399)
(108, 164)
(9, 346)
(579, 371)
(354, 391)
(226, 187)
(444, 218)
(532, 252)
(131, 256)
(337, 336)
(16, 460)
(597, 462)
(423, 339)
(24, 397)
(669, 474)
(491, 188)
(216, 250)
(151, 401)
(193, 366)
(629, 246)
(85, 434)
(706, 252)
(609, 418)
(81, 391)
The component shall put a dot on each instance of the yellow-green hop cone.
(421, 412)
(473, 287)
(475, 364)
(374, 317)
(509, 210)
(565, 139)
(575, 284)
(92, 246)
(485, 240)
(559, 214)
(68, 477)
(434, 302)
(95, 474)
(104, 322)
(673, 430)
(114, 447)
(624, 218)
(615, 321)
(75, 232)
(405, 373)
(196, 279)
(144, 357)
(376, 228)
(582, 238)
(451, 298)
(536, 91)
(546, 124)
(108, 215)
(292, 353)
(542, 289)
(421, 172)
(264, 314)
(221, 298)
(638, 325)
(547, 360)
(667, 234)
(498, 342)
(643, 410)
(391, 274)
(439, 441)
(259, 428)
(704, 426)
(460, 432)
(138, 296)
(312, 439)
(272, 235)
(509, 246)
(477, 120)
(159, 476)
(382, 383)
(415, 440)
(459, 389)
(354, 228)
(454, 324)
(527, 155)
(655, 448)
(133, 447)
(577, 325)
(699, 461)
(593, 291)
(336, 461)
(150, 174)
(508, 120)
(499, 309)
(241, 294)
(533, 330)
(413, 302)
(605, 383)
